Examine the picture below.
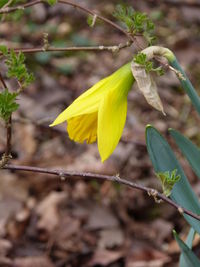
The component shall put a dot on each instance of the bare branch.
(75, 5)
(91, 12)
(99, 48)
(67, 174)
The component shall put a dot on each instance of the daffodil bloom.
(100, 113)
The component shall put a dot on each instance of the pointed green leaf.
(189, 256)
(189, 150)
(186, 84)
(189, 240)
(163, 159)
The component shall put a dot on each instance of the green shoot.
(168, 180)
(135, 22)
(17, 68)
(141, 59)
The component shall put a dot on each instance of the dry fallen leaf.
(110, 238)
(41, 261)
(48, 211)
(146, 256)
(5, 247)
(104, 257)
(101, 217)
(147, 86)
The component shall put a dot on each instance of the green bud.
(168, 180)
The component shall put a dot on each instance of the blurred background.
(45, 221)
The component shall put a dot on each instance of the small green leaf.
(149, 66)
(141, 59)
(150, 26)
(140, 20)
(149, 38)
(135, 22)
(17, 68)
(7, 104)
(188, 255)
(51, 2)
(122, 12)
(168, 180)
(90, 20)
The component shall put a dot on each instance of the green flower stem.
(153, 51)
(186, 84)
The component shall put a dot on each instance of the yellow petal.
(111, 121)
(89, 101)
(112, 116)
(83, 128)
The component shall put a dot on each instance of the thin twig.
(86, 10)
(67, 174)
(93, 13)
(131, 37)
(19, 7)
(112, 48)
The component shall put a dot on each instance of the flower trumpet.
(100, 113)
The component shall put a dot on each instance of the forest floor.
(49, 222)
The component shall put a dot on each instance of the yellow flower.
(100, 113)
